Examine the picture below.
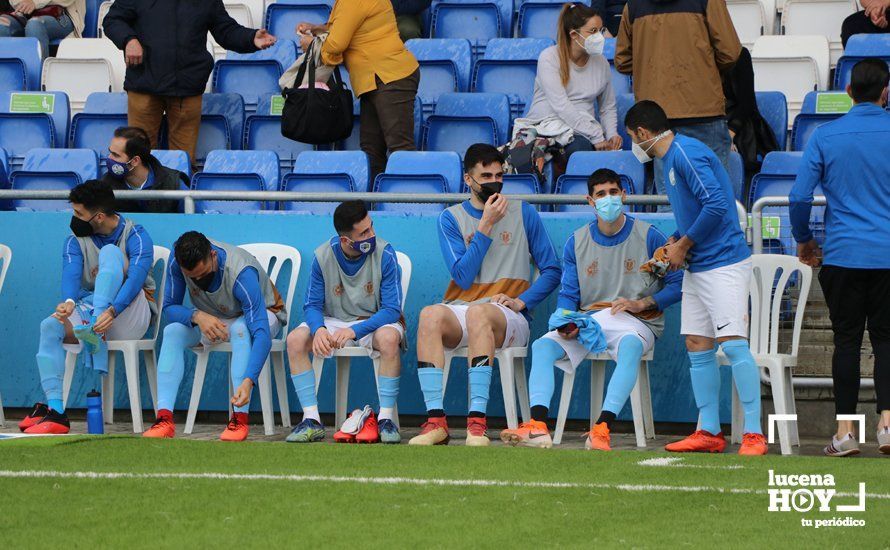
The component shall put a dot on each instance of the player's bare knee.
(299, 340)
(699, 343)
(477, 318)
(388, 342)
(431, 319)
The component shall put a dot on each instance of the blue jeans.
(713, 134)
(44, 29)
(579, 143)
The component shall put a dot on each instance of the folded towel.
(590, 334)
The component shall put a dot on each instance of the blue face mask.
(117, 169)
(609, 208)
(366, 246)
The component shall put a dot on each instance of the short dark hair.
(481, 153)
(138, 143)
(191, 248)
(348, 214)
(868, 80)
(648, 115)
(603, 175)
(94, 195)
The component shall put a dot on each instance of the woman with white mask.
(573, 77)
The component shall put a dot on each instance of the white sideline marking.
(677, 462)
(644, 488)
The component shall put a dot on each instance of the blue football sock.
(109, 279)
(431, 386)
(304, 385)
(239, 338)
(705, 376)
(747, 381)
(542, 379)
(171, 361)
(388, 393)
(480, 384)
(630, 351)
(51, 361)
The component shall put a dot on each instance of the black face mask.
(82, 228)
(489, 188)
(204, 282)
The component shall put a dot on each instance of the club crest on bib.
(338, 290)
(593, 268)
(629, 266)
(369, 288)
(224, 308)
(506, 237)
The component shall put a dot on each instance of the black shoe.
(35, 416)
(53, 423)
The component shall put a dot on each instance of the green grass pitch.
(347, 496)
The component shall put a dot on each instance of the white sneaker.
(356, 420)
(847, 446)
(884, 440)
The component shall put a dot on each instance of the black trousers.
(387, 120)
(858, 23)
(858, 298)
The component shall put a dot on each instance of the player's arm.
(72, 269)
(390, 297)
(174, 294)
(140, 251)
(313, 305)
(253, 305)
(464, 262)
(809, 175)
(671, 292)
(570, 289)
(544, 256)
(699, 176)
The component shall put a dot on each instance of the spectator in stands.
(573, 79)
(855, 277)
(873, 19)
(165, 46)
(132, 166)
(675, 51)
(384, 74)
(408, 17)
(42, 19)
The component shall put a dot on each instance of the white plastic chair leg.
(108, 390)
(395, 409)
(70, 364)
(790, 405)
(646, 395)
(2, 418)
(131, 368)
(508, 387)
(281, 382)
(317, 368)
(264, 381)
(636, 407)
(151, 373)
(197, 386)
(738, 417)
(342, 392)
(521, 382)
(568, 381)
(777, 380)
(597, 386)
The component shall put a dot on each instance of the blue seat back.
(538, 18)
(509, 67)
(316, 183)
(476, 20)
(58, 109)
(444, 66)
(568, 184)
(205, 181)
(264, 133)
(805, 125)
(282, 18)
(177, 160)
(781, 163)
(461, 120)
(20, 133)
(352, 163)
(94, 131)
(253, 75)
(393, 183)
(222, 123)
(445, 164)
(25, 73)
(262, 163)
(622, 162)
(106, 103)
(779, 185)
(49, 169)
(773, 108)
(623, 103)
(621, 83)
(860, 46)
(737, 174)
(521, 184)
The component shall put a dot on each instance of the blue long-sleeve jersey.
(390, 291)
(850, 159)
(701, 197)
(140, 255)
(464, 262)
(247, 291)
(570, 292)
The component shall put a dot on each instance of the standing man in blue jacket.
(715, 287)
(850, 159)
(165, 46)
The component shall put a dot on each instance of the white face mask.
(643, 154)
(593, 44)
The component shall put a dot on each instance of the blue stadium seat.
(60, 115)
(860, 46)
(461, 120)
(624, 102)
(394, 183)
(222, 123)
(22, 132)
(621, 83)
(177, 160)
(623, 162)
(521, 184)
(808, 120)
(253, 75)
(568, 184)
(103, 113)
(262, 132)
(4, 177)
(353, 164)
(779, 185)
(476, 20)
(737, 174)
(781, 163)
(236, 170)
(315, 183)
(537, 18)
(509, 67)
(20, 64)
(445, 163)
(444, 67)
(773, 108)
(49, 169)
(283, 17)
(609, 50)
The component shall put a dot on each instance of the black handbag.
(314, 115)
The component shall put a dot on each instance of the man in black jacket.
(132, 166)
(165, 46)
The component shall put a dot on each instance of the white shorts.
(131, 324)
(715, 303)
(614, 327)
(274, 327)
(516, 334)
(333, 325)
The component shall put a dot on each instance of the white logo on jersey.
(672, 177)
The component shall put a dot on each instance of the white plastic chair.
(78, 78)
(5, 259)
(242, 14)
(103, 11)
(640, 397)
(343, 357)
(793, 65)
(131, 350)
(272, 256)
(808, 17)
(771, 274)
(256, 8)
(752, 19)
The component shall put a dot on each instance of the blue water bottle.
(95, 423)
